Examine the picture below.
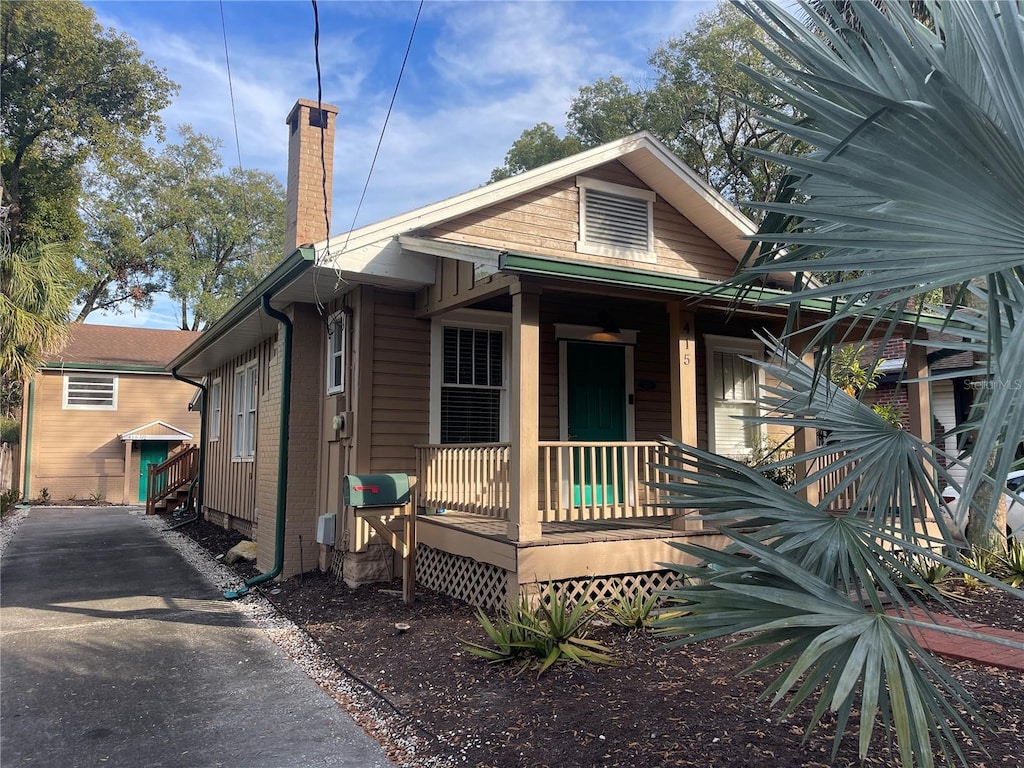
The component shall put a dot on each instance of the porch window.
(733, 385)
(336, 353)
(616, 220)
(214, 411)
(471, 386)
(244, 431)
(90, 393)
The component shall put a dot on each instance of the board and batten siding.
(231, 485)
(546, 222)
(78, 453)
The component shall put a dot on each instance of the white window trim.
(647, 256)
(216, 406)
(735, 345)
(339, 320)
(468, 318)
(80, 407)
(236, 434)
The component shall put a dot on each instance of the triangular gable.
(156, 430)
(372, 247)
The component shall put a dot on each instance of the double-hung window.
(733, 391)
(472, 385)
(213, 413)
(89, 392)
(616, 220)
(336, 354)
(244, 428)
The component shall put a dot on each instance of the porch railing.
(598, 480)
(831, 481)
(167, 478)
(464, 478)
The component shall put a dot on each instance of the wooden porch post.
(683, 374)
(524, 513)
(919, 402)
(805, 439)
(126, 488)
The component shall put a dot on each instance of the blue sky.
(479, 73)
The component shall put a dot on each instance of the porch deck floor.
(575, 532)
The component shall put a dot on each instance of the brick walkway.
(965, 648)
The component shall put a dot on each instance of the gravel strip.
(9, 526)
(399, 735)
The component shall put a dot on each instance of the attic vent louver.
(615, 220)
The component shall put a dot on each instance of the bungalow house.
(101, 411)
(518, 349)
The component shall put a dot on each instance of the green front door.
(150, 452)
(596, 394)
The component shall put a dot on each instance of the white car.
(1014, 507)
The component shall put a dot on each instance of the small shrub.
(980, 560)
(764, 453)
(631, 609)
(8, 499)
(97, 496)
(1012, 563)
(44, 494)
(929, 570)
(539, 636)
(10, 430)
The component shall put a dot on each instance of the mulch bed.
(661, 707)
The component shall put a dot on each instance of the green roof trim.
(623, 276)
(547, 266)
(289, 269)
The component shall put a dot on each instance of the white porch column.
(683, 374)
(524, 414)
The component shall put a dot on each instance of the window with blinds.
(90, 393)
(734, 392)
(616, 220)
(471, 385)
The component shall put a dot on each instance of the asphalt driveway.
(114, 652)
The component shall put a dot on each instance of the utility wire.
(394, 95)
(231, 87)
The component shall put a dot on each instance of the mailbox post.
(374, 497)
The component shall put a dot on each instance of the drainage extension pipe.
(282, 456)
(204, 420)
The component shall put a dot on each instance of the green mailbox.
(389, 490)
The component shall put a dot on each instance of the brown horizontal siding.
(401, 383)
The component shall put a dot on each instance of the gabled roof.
(119, 348)
(156, 430)
(650, 160)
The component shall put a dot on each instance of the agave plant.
(914, 186)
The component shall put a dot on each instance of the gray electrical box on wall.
(325, 529)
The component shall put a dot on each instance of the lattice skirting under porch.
(463, 578)
(488, 586)
(602, 589)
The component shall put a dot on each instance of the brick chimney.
(304, 212)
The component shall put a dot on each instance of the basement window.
(90, 393)
(616, 220)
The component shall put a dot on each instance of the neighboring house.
(101, 411)
(519, 349)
